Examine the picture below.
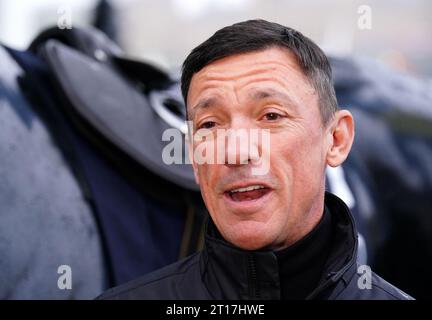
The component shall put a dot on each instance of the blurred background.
(165, 31)
(81, 212)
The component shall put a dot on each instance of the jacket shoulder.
(378, 289)
(387, 290)
(180, 280)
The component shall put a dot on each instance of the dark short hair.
(256, 35)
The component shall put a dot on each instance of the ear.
(341, 136)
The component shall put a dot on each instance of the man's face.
(262, 90)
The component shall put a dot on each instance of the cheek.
(203, 172)
(208, 176)
(297, 157)
(205, 188)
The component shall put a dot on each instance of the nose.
(242, 145)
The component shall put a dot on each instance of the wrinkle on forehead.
(232, 74)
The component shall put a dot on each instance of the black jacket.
(222, 271)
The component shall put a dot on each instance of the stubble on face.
(240, 92)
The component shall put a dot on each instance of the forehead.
(273, 67)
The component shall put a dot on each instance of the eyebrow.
(262, 94)
(256, 95)
(203, 104)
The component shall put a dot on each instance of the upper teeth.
(250, 188)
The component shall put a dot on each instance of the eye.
(272, 116)
(207, 125)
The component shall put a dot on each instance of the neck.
(301, 264)
(310, 219)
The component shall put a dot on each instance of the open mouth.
(248, 193)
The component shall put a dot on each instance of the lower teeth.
(247, 195)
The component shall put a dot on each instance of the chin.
(250, 239)
(250, 244)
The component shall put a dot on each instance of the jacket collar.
(233, 273)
